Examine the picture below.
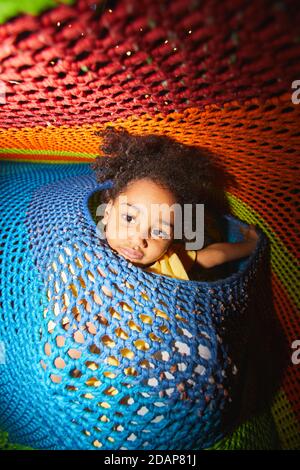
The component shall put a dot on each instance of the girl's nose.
(139, 239)
(139, 242)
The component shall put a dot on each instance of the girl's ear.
(107, 212)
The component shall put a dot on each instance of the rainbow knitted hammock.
(124, 359)
(92, 350)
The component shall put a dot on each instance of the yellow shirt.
(176, 262)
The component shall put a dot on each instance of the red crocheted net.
(76, 65)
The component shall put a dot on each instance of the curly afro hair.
(185, 170)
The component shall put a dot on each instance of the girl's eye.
(160, 234)
(128, 218)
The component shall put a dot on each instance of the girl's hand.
(250, 235)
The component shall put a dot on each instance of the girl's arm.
(219, 253)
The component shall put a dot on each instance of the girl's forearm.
(219, 253)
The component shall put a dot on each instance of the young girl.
(151, 175)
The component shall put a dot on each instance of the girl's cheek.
(122, 233)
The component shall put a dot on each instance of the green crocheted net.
(11, 8)
(6, 445)
(256, 434)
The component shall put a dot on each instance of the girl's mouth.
(130, 253)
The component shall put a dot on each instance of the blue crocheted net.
(98, 352)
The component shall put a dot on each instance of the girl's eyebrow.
(169, 224)
(131, 205)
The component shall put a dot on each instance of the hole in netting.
(104, 405)
(164, 329)
(101, 319)
(180, 318)
(74, 290)
(75, 373)
(90, 275)
(87, 257)
(161, 356)
(121, 333)
(51, 326)
(125, 352)
(81, 56)
(74, 353)
(59, 363)
(117, 288)
(182, 308)
(71, 388)
(153, 337)
(94, 349)
(145, 364)
(109, 374)
(92, 365)
(111, 391)
(184, 332)
(130, 286)
(61, 75)
(93, 382)
(145, 296)
(102, 33)
(102, 273)
(114, 313)
(66, 301)
(56, 378)
(96, 298)
(146, 319)
(71, 269)
(131, 371)
(112, 270)
(133, 326)
(91, 328)
(127, 400)
(21, 69)
(76, 313)
(88, 396)
(82, 282)
(118, 428)
(106, 291)
(97, 443)
(204, 352)
(107, 341)
(158, 419)
(125, 306)
(160, 313)
(141, 345)
(199, 369)
(152, 382)
(182, 348)
(142, 411)
(112, 361)
(78, 337)
(78, 262)
(86, 304)
(104, 418)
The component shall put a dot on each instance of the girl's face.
(140, 222)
